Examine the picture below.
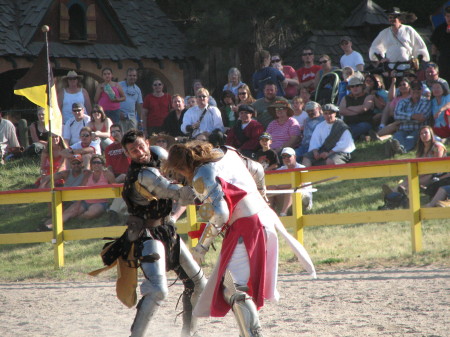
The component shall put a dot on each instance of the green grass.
(330, 247)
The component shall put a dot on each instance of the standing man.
(202, 118)
(261, 105)
(307, 74)
(399, 42)
(131, 108)
(441, 45)
(149, 199)
(73, 126)
(331, 142)
(350, 58)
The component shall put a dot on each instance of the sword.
(315, 183)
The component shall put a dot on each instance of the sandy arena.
(381, 302)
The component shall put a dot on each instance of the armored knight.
(246, 271)
(149, 198)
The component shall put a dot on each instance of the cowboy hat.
(168, 138)
(72, 74)
(281, 104)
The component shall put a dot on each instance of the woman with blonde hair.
(234, 81)
(246, 271)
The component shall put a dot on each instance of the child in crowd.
(299, 114)
(267, 157)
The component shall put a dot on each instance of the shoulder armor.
(158, 186)
(160, 152)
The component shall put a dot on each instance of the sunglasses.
(97, 162)
(286, 156)
(85, 135)
(353, 86)
(157, 84)
(76, 110)
(307, 54)
(275, 60)
(76, 163)
(96, 112)
(328, 112)
(202, 96)
(344, 43)
(323, 62)
(242, 93)
(72, 78)
(264, 139)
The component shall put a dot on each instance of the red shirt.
(116, 158)
(158, 108)
(307, 74)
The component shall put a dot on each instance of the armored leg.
(194, 282)
(243, 307)
(154, 288)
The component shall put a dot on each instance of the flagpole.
(46, 29)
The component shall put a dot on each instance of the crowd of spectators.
(400, 94)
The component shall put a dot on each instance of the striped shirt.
(406, 108)
(281, 133)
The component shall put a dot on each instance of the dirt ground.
(380, 302)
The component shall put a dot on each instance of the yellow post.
(297, 211)
(191, 217)
(58, 240)
(414, 204)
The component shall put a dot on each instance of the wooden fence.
(410, 168)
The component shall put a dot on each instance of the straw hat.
(281, 104)
(72, 74)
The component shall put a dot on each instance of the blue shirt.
(406, 108)
(133, 96)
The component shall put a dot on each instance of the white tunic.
(321, 132)
(387, 45)
(211, 121)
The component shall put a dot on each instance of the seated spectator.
(315, 116)
(347, 73)
(299, 114)
(266, 74)
(284, 201)
(202, 118)
(173, 121)
(227, 107)
(441, 197)
(351, 58)
(86, 147)
(440, 105)
(118, 163)
(58, 148)
(375, 87)
(244, 135)
(234, 81)
(190, 101)
(262, 105)
(291, 89)
(100, 126)
(244, 97)
(357, 108)
(88, 209)
(411, 113)
(162, 140)
(327, 67)
(284, 129)
(71, 133)
(267, 157)
(307, 73)
(67, 178)
(196, 85)
(38, 134)
(8, 137)
(432, 75)
(331, 142)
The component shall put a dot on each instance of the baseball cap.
(77, 157)
(288, 150)
(311, 105)
(355, 81)
(77, 106)
(345, 38)
(265, 135)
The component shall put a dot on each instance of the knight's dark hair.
(130, 137)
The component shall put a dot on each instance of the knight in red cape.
(246, 271)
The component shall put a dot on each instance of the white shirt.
(72, 129)
(301, 118)
(352, 60)
(387, 45)
(321, 132)
(8, 136)
(94, 145)
(211, 120)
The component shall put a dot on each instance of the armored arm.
(258, 174)
(214, 208)
(151, 184)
